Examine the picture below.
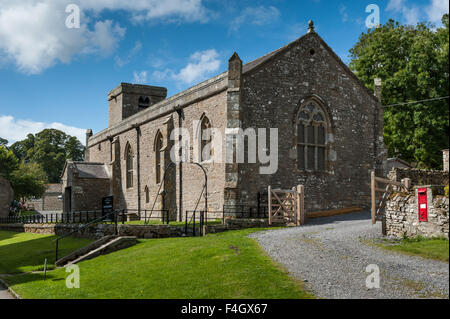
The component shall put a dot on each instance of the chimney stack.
(86, 150)
(377, 88)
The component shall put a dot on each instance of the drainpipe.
(179, 111)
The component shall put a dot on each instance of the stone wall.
(402, 216)
(95, 231)
(50, 200)
(419, 176)
(139, 231)
(6, 197)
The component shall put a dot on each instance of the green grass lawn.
(225, 265)
(428, 248)
(23, 252)
(25, 213)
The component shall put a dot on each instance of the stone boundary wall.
(402, 215)
(139, 231)
(419, 176)
(6, 197)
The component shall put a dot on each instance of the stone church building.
(329, 136)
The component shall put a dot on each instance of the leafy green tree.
(28, 181)
(74, 149)
(413, 63)
(50, 149)
(3, 141)
(8, 162)
(22, 148)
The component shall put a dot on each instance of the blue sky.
(53, 76)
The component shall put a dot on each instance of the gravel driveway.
(330, 255)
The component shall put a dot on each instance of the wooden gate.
(286, 206)
(377, 208)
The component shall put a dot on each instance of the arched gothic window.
(158, 149)
(311, 137)
(129, 165)
(206, 139)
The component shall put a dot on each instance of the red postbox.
(423, 204)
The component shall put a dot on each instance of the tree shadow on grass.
(30, 254)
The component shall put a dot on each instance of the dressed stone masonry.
(329, 136)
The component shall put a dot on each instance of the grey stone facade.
(419, 176)
(265, 93)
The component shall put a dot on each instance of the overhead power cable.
(415, 102)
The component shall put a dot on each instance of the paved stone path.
(4, 293)
(331, 255)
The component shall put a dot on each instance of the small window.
(311, 137)
(129, 165)
(144, 102)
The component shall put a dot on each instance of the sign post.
(107, 205)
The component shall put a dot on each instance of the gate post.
(301, 205)
(269, 191)
(372, 186)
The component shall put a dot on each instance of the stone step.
(84, 250)
(111, 245)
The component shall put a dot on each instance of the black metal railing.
(110, 217)
(196, 219)
(245, 211)
(83, 217)
(54, 218)
(147, 215)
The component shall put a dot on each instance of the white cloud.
(16, 130)
(436, 10)
(343, 13)
(412, 14)
(140, 78)
(255, 15)
(34, 37)
(409, 12)
(145, 10)
(124, 61)
(201, 65)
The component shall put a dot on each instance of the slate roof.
(88, 169)
(91, 170)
